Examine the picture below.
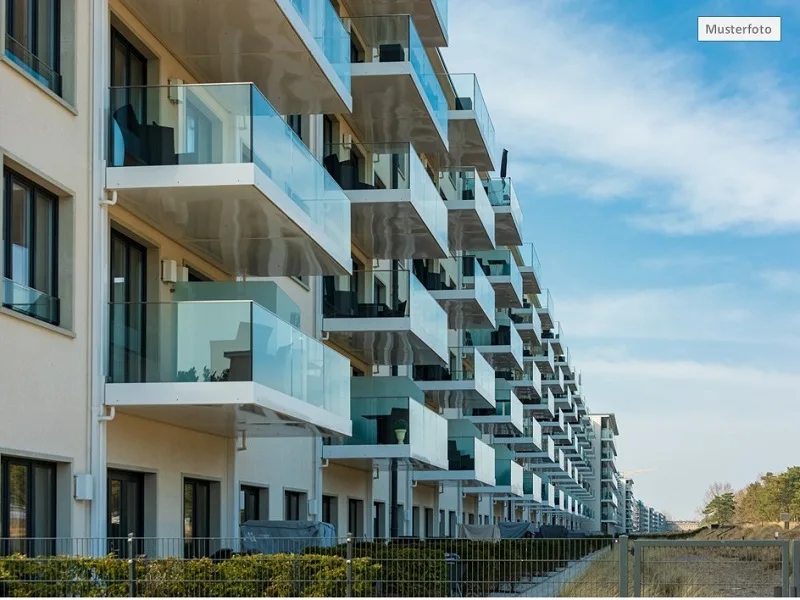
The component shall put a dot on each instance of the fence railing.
(403, 567)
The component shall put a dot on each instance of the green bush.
(249, 576)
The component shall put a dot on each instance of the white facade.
(193, 273)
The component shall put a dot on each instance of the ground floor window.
(196, 517)
(125, 511)
(28, 505)
(250, 510)
(355, 517)
(293, 509)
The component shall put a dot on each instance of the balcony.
(503, 273)
(243, 191)
(390, 427)
(530, 267)
(505, 420)
(554, 335)
(468, 383)
(429, 16)
(397, 94)
(527, 322)
(471, 221)
(555, 383)
(502, 348)
(471, 131)
(396, 209)
(562, 397)
(532, 487)
(297, 51)
(226, 368)
(385, 318)
(526, 382)
(508, 476)
(470, 461)
(546, 312)
(529, 441)
(544, 358)
(507, 211)
(544, 407)
(462, 290)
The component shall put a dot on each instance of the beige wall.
(45, 402)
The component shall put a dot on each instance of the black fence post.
(349, 564)
(131, 568)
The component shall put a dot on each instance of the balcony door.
(125, 511)
(128, 292)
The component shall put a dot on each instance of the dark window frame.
(197, 545)
(253, 492)
(127, 477)
(35, 192)
(53, 63)
(292, 499)
(30, 521)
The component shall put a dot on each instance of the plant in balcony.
(400, 430)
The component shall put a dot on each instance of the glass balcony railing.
(530, 258)
(330, 34)
(532, 429)
(500, 263)
(469, 97)
(394, 38)
(212, 124)
(390, 294)
(466, 453)
(553, 334)
(28, 301)
(390, 167)
(501, 192)
(457, 273)
(510, 474)
(442, 12)
(546, 302)
(462, 184)
(466, 365)
(527, 315)
(398, 421)
(505, 335)
(225, 341)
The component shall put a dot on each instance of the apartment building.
(267, 270)
(609, 503)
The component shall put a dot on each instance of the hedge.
(279, 575)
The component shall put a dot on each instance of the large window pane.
(19, 219)
(19, 25)
(45, 236)
(46, 33)
(18, 504)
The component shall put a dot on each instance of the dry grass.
(660, 579)
(765, 531)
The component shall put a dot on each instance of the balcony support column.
(409, 505)
(315, 509)
(437, 522)
(394, 528)
(459, 507)
(232, 477)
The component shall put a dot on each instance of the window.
(379, 523)
(128, 290)
(196, 517)
(196, 276)
(452, 523)
(327, 136)
(28, 506)
(330, 511)
(125, 511)
(250, 510)
(415, 521)
(295, 123)
(293, 504)
(30, 249)
(355, 517)
(33, 39)
(442, 524)
(428, 522)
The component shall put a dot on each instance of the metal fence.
(404, 567)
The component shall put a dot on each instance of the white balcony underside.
(383, 341)
(530, 284)
(463, 309)
(528, 332)
(506, 295)
(391, 107)
(500, 357)
(453, 478)
(468, 147)
(466, 229)
(386, 224)
(233, 215)
(455, 394)
(225, 409)
(265, 42)
(507, 231)
(526, 390)
(367, 456)
(423, 12)
(500, 426)
(496, 490)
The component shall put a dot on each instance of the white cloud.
(688, 261)
(624, 117)
(695, 423)
(702, 313)
(782, 280)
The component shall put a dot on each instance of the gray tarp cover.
(277, 537)
(553, 531)
(510, 530)
(478, 532)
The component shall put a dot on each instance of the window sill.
(33, 321)
(38, 84)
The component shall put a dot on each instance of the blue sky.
(660, 180)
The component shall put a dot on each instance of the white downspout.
(99, 273)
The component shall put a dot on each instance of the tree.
(721, 509)
(718, 488)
